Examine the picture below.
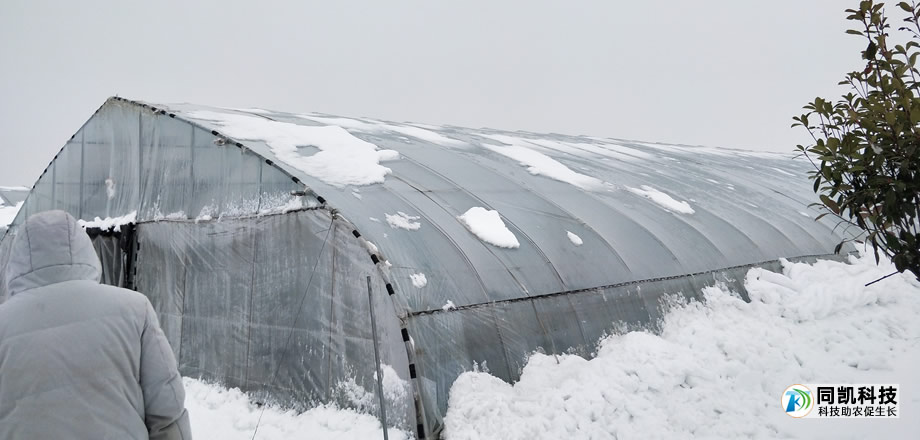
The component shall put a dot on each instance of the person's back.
(79, 359)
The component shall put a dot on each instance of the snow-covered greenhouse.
(254, 234)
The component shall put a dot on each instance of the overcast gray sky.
(719, 73)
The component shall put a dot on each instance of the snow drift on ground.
(718, 368)
(218, 413)
(487, 224)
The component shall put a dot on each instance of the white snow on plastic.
(423, 134)
(110, 188)
(448, 306)
(386, 155)
(419, 280)
(575, 239)
(395, 389)
(8, 213)
(110, 223)
(251, 110)
(662, 199)
(540, 164)
(718, 368)
(401, 220)
(342, 160)
(219, 413)
(371, 247)
(178, 215)
(368, 126)
(487, 224)
(603, 148)
(783, 171)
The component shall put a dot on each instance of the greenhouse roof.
(483, 215)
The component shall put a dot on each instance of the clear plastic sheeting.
(747, 206)
(125, 159)
(256, 254)
(277, 306)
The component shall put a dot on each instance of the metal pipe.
(383, 409)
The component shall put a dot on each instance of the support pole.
(383, 409)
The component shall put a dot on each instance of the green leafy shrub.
(866, 149)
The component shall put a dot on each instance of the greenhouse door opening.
(116, 251)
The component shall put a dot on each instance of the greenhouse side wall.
(500, 336)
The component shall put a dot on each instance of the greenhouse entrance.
(116, 250)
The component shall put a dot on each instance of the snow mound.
(718, 368)
(110, 223)
(343, 159)
(419, 280)
(662, 199)
(487, 224)
(402, 220)
(575, 239)
(219, 413)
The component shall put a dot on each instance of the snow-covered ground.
(218, 413)
(717, 370)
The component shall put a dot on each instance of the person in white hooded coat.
(78, 359)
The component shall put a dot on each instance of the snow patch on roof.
(783, 171)
(539, 164)
(580, 149)
(419, 280)
(662, 199)
(368, 126)
(402, 220)
(342, 160)
(575, 239)
(110, 223)
(487, 224)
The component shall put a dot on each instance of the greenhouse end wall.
(278, 306)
